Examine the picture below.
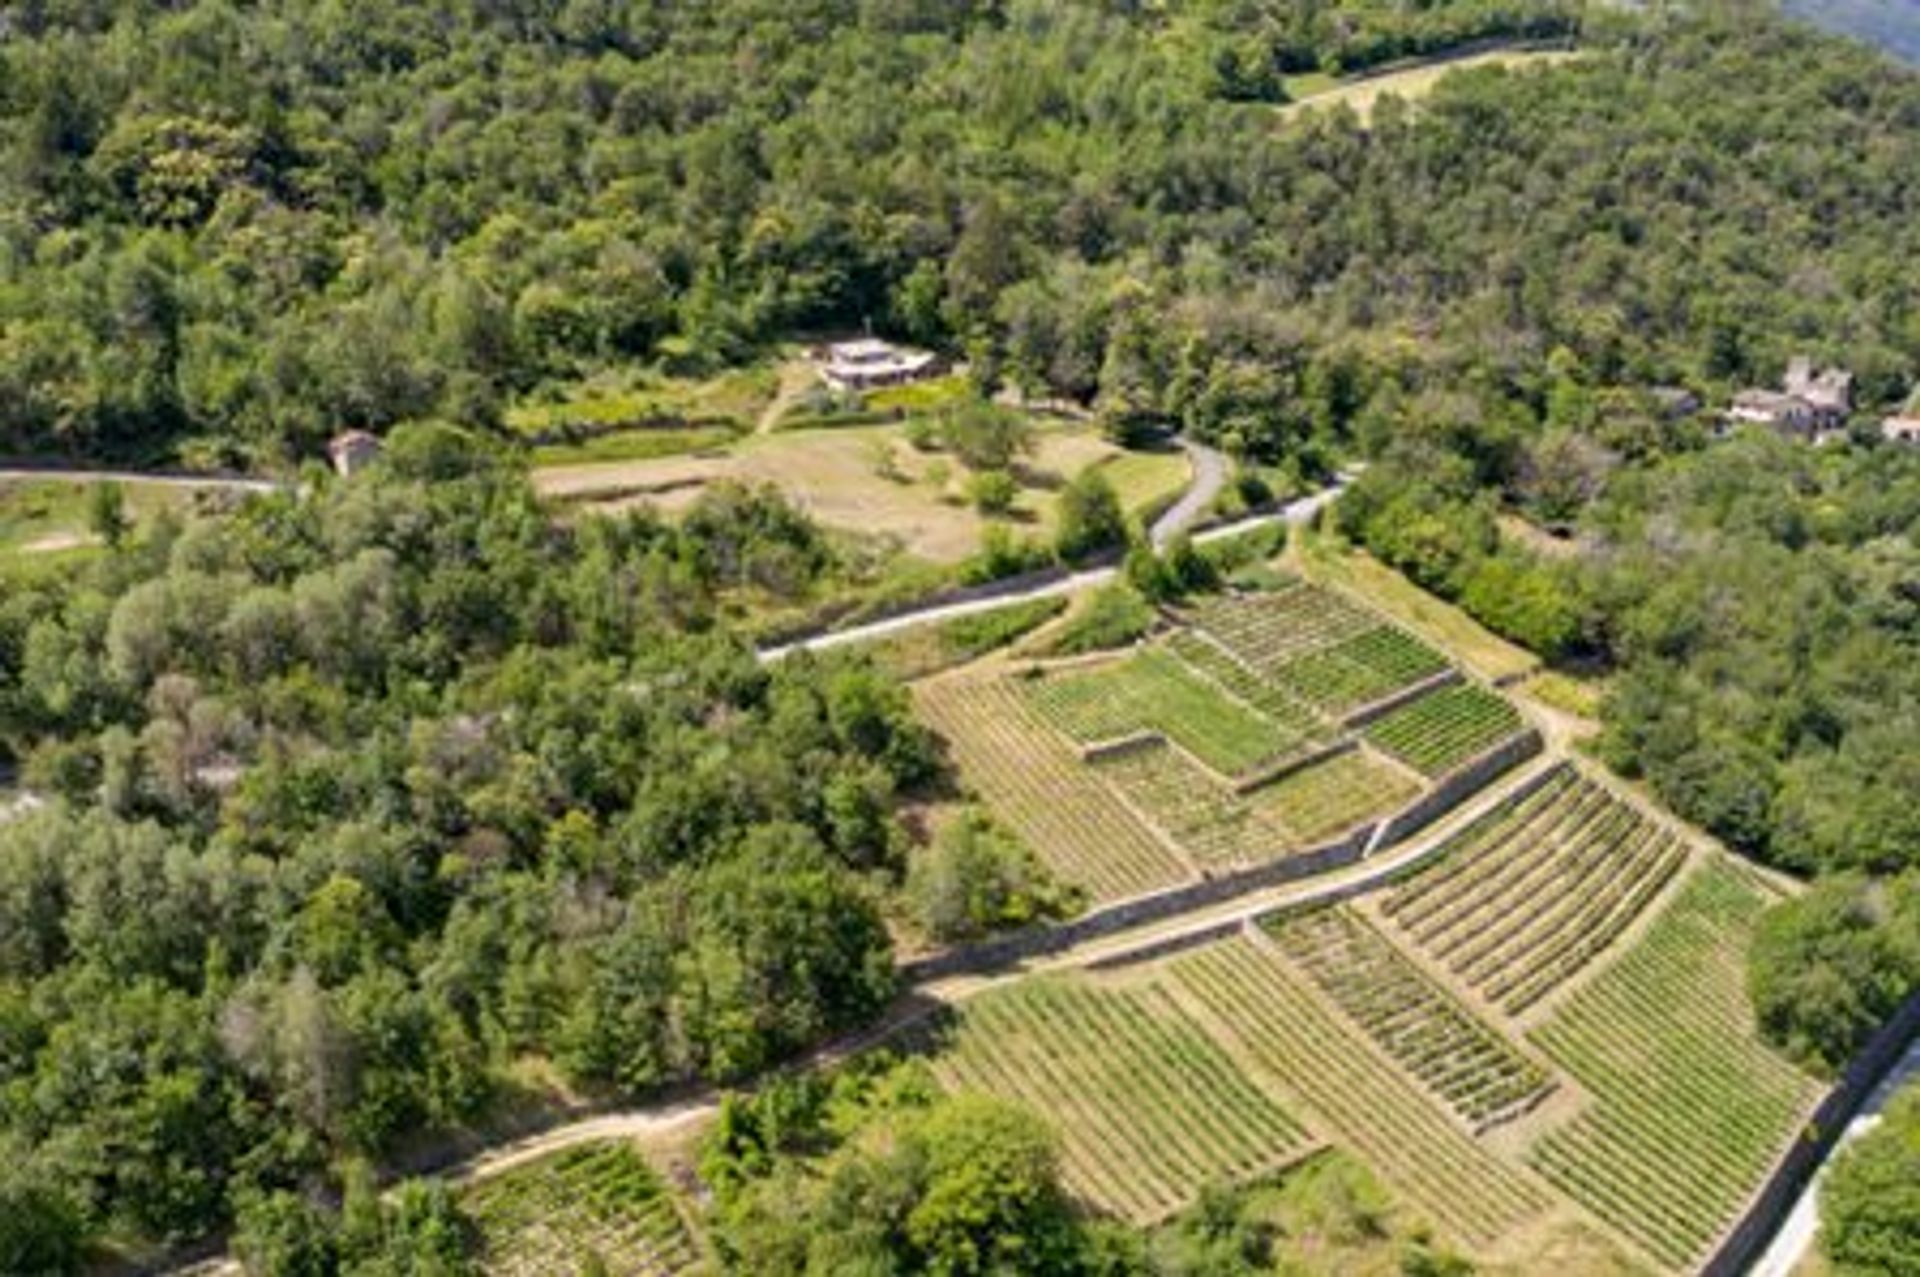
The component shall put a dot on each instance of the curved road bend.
(1209, 477)
(1794, 1241)
(1294, 512)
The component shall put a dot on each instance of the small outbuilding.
(1810, 404)
(1902, 427)
(352, 451)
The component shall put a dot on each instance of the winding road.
(988, 598)
(1209, 477)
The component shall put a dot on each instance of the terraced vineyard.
(1316, 646)
(1357, 1093)
(1690, 1109)
(1266, 631)
(1286, 710)
(1445, 728)
(603, 1200)
(1474, 1070)
(1148, 1108)
(1526, 897)
(1154, 690)
(1209, 822)
(1036, 783)
(1333, 795)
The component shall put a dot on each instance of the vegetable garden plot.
(1520, 902)
(601, 1200)
(1153, 690)
(1690, 1109)
(1211, 824)
(1359, 1096)
(1035, 783)
(1445, 728)
(1148, 1108)
(1474, 1070)
(1333, 795)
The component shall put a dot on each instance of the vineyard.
(1316, 646)
(1333, 795)
(1280, 706)
(1147, 1107)
(1035, 783)
(1689, 1109)
(1524, 898)
(601, 1200)
(1359, 1095)
(1445, 728)
(1153, 690)
(1442, 1044)
(1209, 822)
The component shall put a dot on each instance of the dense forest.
(364, 800)
(227, 231)
(358, 799)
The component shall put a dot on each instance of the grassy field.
(1477, 648)
(1147, 1106)
(925, 650)
(1333, 795)
(865, 479)
(594, 1202)
(47, 516)
(1689, 1109)
(1316, 91)
(1035, 782)
(731, 401)
(1521, 901)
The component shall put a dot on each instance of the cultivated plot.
(1689, 1108)
(1526, 897)
(1147, 1106)
(1034, 781)
(600, 1201)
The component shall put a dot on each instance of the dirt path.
(1209, 477)
(166, 479)
(797, 376)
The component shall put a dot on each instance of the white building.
(870, 362)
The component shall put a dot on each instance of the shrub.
(1112, 617)
(1091, 517)
(993, 492)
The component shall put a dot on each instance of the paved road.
(1209, 476)
(229, 483)
(1794, 1241)
(1295, 512)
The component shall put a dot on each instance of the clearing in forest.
(601, 1201)
(1690, 1109)
(1525, 897)
(1411, 82)
(1148, 1108)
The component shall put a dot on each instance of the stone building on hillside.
(1809, 404)
(352, 451)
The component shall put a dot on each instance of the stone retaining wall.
(1379, 709)
(1456, 787)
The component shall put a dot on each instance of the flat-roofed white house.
(870, 362)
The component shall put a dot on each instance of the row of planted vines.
(1472, 1069)
(1520, 901)
(1035, 782)
(1358, 1094)
(1448, 726)
(1146, 1105)
(595, 1203)
(1689, 1108)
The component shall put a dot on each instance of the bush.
(1111, 617)
(977, 878)
(1870, 1203)
(1091, 518)
(993, 492)
(1002, 554)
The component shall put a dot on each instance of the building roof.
(353, 439)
